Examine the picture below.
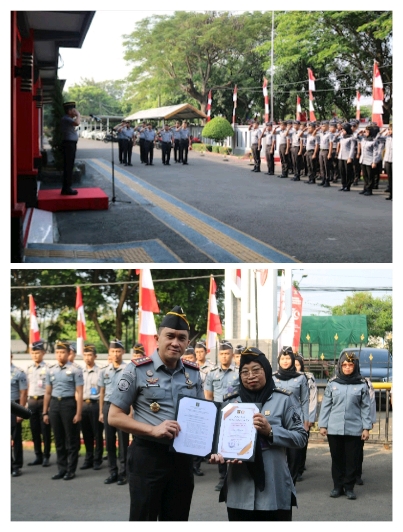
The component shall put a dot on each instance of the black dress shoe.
(362, 191)
(97, 467)
(326, 184)
(122, 480)
(37, 461)
(350, 495)
(16, 473)
(342, 189)
(59, 475)
(69, 192)
(336, 492)
(368, 193)
(86, 466)
(45, 462)
(130, 164)
(111, 479)
(69, 476)
(197, 471)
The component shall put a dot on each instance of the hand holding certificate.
(207, 428)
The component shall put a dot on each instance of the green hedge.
(225, 150)
(199, 147)
(216, 149)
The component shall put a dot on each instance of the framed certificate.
(207, 427)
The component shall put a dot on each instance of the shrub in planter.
(225, 150)
(216, 149)
(217, 129)
(199, 147)
(209, 147)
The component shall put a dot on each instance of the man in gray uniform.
(270, 147)
(176, 131)
(90, 426)
(36, 374)
(296, 150)
(256, 144)
(283, 143)
(64, 383)
(324, 154)
(222, 380)
(18, 395)
(167, 139)
(161, 482)
(108, 379)
(70, 121)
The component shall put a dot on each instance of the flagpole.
(140, 303)
(272, 67)
(208, 312)
(30, 314)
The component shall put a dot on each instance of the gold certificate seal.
(155, 407)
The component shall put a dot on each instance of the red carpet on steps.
(86, 199)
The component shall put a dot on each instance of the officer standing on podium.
(161, 482)
(70, 121)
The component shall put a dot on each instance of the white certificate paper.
(237, 434)
(196, 419)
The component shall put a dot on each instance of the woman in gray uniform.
(288, 378)
(345, 418)
(263, 490)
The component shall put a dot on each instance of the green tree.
(103, 98)
(340, 47)
(111, 307)
(188, 53)
(218, 129)
(378, 311)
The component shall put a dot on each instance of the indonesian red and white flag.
(34, 334)
(81, 332)
(238, 278)
(377, 97)
(298, 117)
(312, 116)
(235, 98)
(148, 305)
(312, 80)
(208, 108)
(266, 100)
(358, 108)
(213, 319)
(291, 334)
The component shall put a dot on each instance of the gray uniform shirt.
(283, 135)
(288, 431)
(346, 409)
(205, 369)
(166, 136)
(313, 396)
(69, 131)
(299, 389)
(149, 135)
(296, 138)
(255, 135)
(324, 139)
(311, 141)
(91, 386)
(147, 381)
(222, 381)
(388, 149)
(176, 133)
(371, 151)
(18, 382)
(184, 133)
(109, 377)
(64, 379)
(36, 375)
(347, 148)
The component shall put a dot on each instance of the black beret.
(62, 344)
(238, 349)
(269, 123)
(176, 319)
(286, 351)
(38, 346)
(325, 122)
(139, 348)
(201, 344)
(296, 122)
(189, 351)
(116, 344)
(224, 345)
(90, 348)
(252, 351)
(73, 347)
(347, 127)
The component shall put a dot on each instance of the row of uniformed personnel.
(333, 149)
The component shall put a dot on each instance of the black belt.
(324, 149)
(91, 400)
(62, 398)
(36, 397)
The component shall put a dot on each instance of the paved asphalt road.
(35, 497)
(309, 223)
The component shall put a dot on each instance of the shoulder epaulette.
(282, 390)
(190, 364)
(332, 379)
(310, 375)
(230, 396)
(141, 361)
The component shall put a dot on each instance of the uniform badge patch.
(295, 417)
(123, 385)
(155, 407)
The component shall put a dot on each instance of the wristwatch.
(270, 436)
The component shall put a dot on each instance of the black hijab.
(355, 377)
(291, 372)
(252, 354)
(301, 361)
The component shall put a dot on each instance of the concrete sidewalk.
(35, 497)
